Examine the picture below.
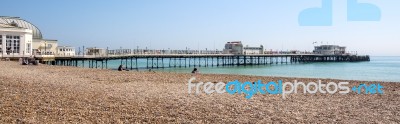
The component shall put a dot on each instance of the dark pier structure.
(154, 61)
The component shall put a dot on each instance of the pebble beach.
(60, 94)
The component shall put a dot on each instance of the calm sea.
(378, 69)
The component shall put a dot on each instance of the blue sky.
(178, 24)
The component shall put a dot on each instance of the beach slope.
(54, 94)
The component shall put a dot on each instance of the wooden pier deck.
(153, 61)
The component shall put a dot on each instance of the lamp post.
(95, 52)
(45, 47)
(83, 49)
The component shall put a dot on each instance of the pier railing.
(150, 61)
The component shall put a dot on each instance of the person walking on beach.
(195, 72)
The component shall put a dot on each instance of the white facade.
(253, 50)
(15, 41)
(26, 35)
(44, 47)
(330, 50)
(96, 51)
(65, 51)
(234, 47)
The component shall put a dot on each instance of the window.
(8, 46)
(28, 48)
(16, 46)
(12, 44)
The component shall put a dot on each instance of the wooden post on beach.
(217, 61)
(228, 60)
(237, 60)
(199, 61)
(102, 64)
(126, 63)
(137, 66)
(194, 61)
(291, 59)
(180, 62)
(152, 62)
(212, 61)
(162, 62)
(174, 62)
(244, 60)
(131, 63)
(206, 63)
(286, 60)
(147, 63)
(169, 63)
(270, 60)
(223, 60)
(251, 60)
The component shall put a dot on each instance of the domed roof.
(18, 22)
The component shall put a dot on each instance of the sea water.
(378, 69)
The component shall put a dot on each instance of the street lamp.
(45, 47)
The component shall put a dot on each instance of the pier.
(156, 61)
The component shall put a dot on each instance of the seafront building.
(330, 50)
(96, 51)
(253, 50)
(65, 51)
(21, 38)
(15, 41)
(236, 47)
